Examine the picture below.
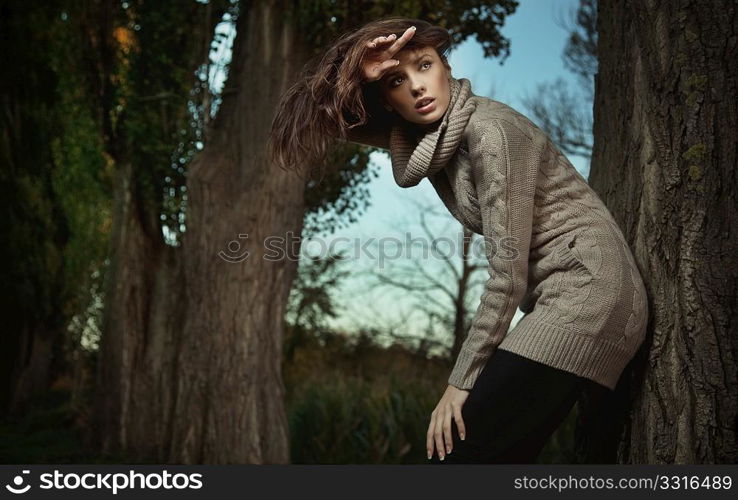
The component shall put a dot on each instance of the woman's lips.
(423, 110)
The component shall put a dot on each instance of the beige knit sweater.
(553, 248)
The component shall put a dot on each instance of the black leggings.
(514, 407)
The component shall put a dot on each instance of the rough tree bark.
(140, 323)
(230, 391)
(664, 162)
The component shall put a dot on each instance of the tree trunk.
(664, 162)
(135, 376)
(135, 370)
(229, 404)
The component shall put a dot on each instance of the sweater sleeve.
(505, 165)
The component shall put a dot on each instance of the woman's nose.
(418, 87)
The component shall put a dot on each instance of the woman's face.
(420, 76)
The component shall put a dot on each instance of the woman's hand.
(378, 56)
(439, 430)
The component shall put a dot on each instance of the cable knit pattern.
(553, 248)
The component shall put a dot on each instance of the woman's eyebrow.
(394, 71)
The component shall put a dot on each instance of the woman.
(554, 249)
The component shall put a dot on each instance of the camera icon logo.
(233, 247)
(18, 489)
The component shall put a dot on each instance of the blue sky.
(537, 41)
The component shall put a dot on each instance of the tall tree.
(664, 162)
(141, 67)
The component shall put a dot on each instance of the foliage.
(564, 115)
(163, 91)
(31, 216)
(48, 434)
(348, 400)
(321, 21)
(352, 402)
(311, 302)
(337, 199)
(83, 180)
(54, 184)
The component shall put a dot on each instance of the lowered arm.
(504, 160)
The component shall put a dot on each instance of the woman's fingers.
(429, 435)
(377, 69)
(380, 40)
(459, 422)
(389, 63)
(385, 39)
(447, 431)
(400, 42)
(438, 435)
(407, 35)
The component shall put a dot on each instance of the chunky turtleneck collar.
(413, 160)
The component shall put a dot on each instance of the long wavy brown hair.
(330, 97)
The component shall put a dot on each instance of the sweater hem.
(591, 357)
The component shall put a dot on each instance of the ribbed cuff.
(467, 368)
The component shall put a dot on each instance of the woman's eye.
(393, 82)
